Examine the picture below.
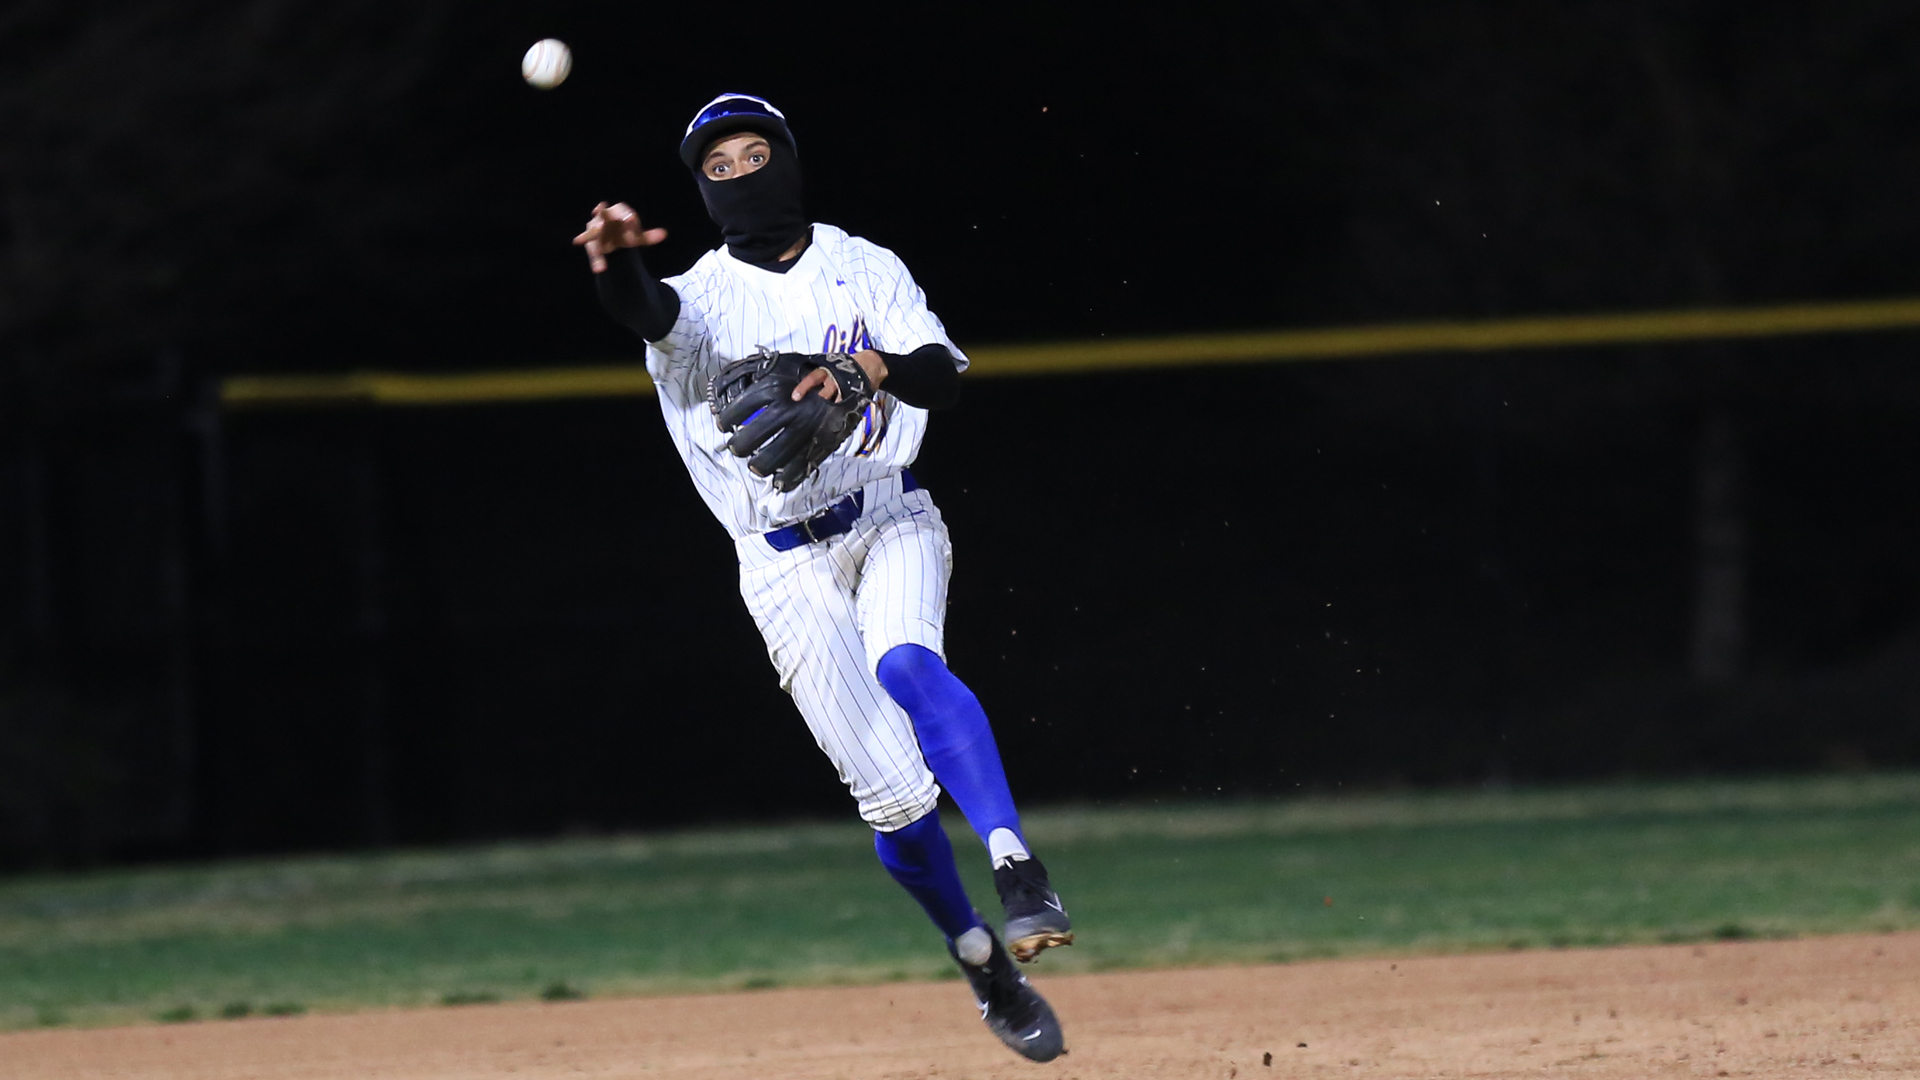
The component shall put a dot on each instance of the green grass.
(1160, 885)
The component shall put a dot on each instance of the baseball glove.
(752, 400)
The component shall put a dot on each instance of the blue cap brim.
(695, 145)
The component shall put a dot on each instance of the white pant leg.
(902, 598)
(803, 601)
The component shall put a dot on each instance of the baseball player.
(795, 366)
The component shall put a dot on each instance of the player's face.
(735, 156)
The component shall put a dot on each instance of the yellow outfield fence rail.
(465, 388)
(1129, 354)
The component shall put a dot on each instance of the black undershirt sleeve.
(634, 299)
(924, 378)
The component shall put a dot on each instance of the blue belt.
(830, 522)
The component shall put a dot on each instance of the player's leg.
(919, 857)
(902, 599)
(805, 607)
(804, 603)
(958, 742)
(903, 609)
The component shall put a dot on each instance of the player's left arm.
(925, 372)
(927, 377)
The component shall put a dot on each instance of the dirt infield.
(1818, 1007)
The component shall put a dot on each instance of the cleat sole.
(1028, 949)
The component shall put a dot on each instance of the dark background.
(275, 630)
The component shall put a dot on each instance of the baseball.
(546, 64)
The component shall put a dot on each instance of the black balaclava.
(760, 214)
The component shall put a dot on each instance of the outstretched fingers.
(624, 225)
(594, 226)
(613, 227)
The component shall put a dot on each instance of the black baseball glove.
(752, 399)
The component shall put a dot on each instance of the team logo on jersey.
(850, 340)
(873, 425)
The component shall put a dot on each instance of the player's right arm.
(613, 238)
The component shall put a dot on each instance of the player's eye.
(758, 159)
(719, 168)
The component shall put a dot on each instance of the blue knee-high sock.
(954, 735)
(921, 860)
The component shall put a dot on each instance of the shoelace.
(1024, 887)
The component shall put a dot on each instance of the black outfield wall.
(416, 625)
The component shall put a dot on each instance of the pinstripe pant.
(829, 611)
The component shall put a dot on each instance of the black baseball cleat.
(1036, 919)
(1014, 1011)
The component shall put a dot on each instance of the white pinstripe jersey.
(843, 294)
